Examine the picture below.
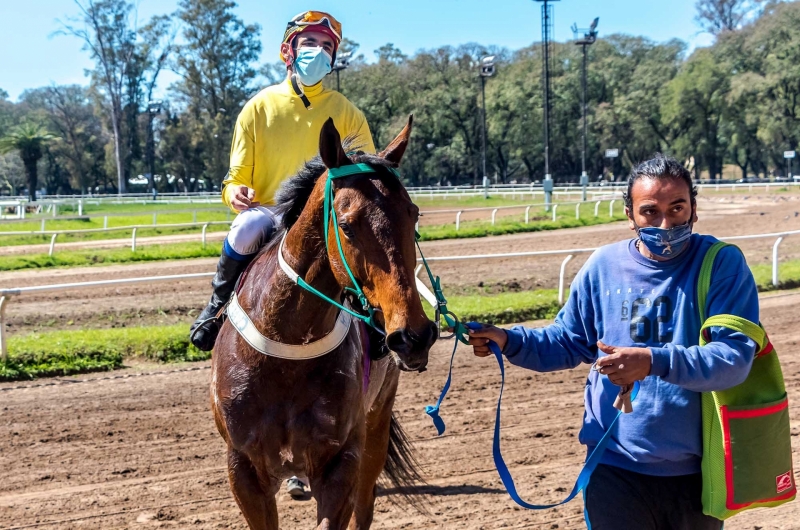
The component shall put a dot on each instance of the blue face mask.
(665, 242)
(311, 65)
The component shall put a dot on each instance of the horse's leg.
(376, 449)
(256, 500)
(334, 488)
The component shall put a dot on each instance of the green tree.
(108, 33)
(216, 62)
(28, 140)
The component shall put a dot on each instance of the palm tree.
(28, 139)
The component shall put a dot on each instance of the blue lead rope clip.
(502, 469)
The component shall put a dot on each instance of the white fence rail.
(132, 228)
(106, 216)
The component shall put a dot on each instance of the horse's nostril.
(398, 341)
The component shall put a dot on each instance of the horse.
(319, 417)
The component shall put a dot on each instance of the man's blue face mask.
(311, 65)
(665, 243)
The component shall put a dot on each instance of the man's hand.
(243, 198)
(623, 366)
(479, 339)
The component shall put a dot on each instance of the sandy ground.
(137, 448)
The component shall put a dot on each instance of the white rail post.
(80, 207)
(555, 207)
(458, 220)
(578, 211)
(42, 229)
(155, 215)
(3, 341)
(717, 189)
(55, 209)
(494, 213)
(611, 208)
(775, 261)
(750, 188)
(52, 245)
(527, 214)
(133, 241)
(205, 227)
(20, 211)
(194, 216)
(597, 208)
(105, 222)
(561, 275)
(767, 189)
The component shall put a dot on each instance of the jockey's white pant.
(250, 230)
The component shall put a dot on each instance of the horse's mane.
(293, 195)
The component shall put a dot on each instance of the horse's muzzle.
(411, 347)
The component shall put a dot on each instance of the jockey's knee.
(250, 231)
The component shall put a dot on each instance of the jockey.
(276, 132)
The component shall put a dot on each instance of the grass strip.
(78, 258)
(82, 258)
(57, 353)
(474, 229)
(71, 352)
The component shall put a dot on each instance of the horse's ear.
(395, 150)
(330, 146)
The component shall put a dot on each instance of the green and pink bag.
(747, 451)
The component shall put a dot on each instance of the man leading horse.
(276, 132)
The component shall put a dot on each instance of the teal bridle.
(330, 218)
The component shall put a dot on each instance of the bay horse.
(318, 416)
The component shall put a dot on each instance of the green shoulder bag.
(747, 451)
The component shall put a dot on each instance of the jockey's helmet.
(316, 21)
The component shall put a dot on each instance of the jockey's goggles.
(313, 20)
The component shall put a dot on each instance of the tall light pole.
(341, 63)
(589, 37)
(153, 108)
(547, 37)
(487, 70)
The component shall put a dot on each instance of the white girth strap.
(242, 323)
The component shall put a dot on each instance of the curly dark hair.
(659, 167)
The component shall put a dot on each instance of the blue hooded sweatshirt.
(624, 299)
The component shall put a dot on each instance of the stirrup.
(220, 316)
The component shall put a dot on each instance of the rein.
(460, 334)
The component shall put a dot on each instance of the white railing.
(6, 294)
(81, 217)
(132, 228)
(493, 210)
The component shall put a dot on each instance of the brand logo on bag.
(783, 482)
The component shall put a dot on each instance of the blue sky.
(31, 56)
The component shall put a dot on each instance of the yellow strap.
(742, 325)
(704, 281)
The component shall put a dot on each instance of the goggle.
(313, 18)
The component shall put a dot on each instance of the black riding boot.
(205, 329)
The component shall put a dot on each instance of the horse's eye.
(348, 232)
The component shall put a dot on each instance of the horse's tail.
(401, 467)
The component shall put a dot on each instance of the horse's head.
(376, 220)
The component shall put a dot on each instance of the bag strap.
(704, 280)
(733, 322)
(742, 325)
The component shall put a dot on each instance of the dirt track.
(133, 449)
(126, 450)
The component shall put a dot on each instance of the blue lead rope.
(502, 469)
